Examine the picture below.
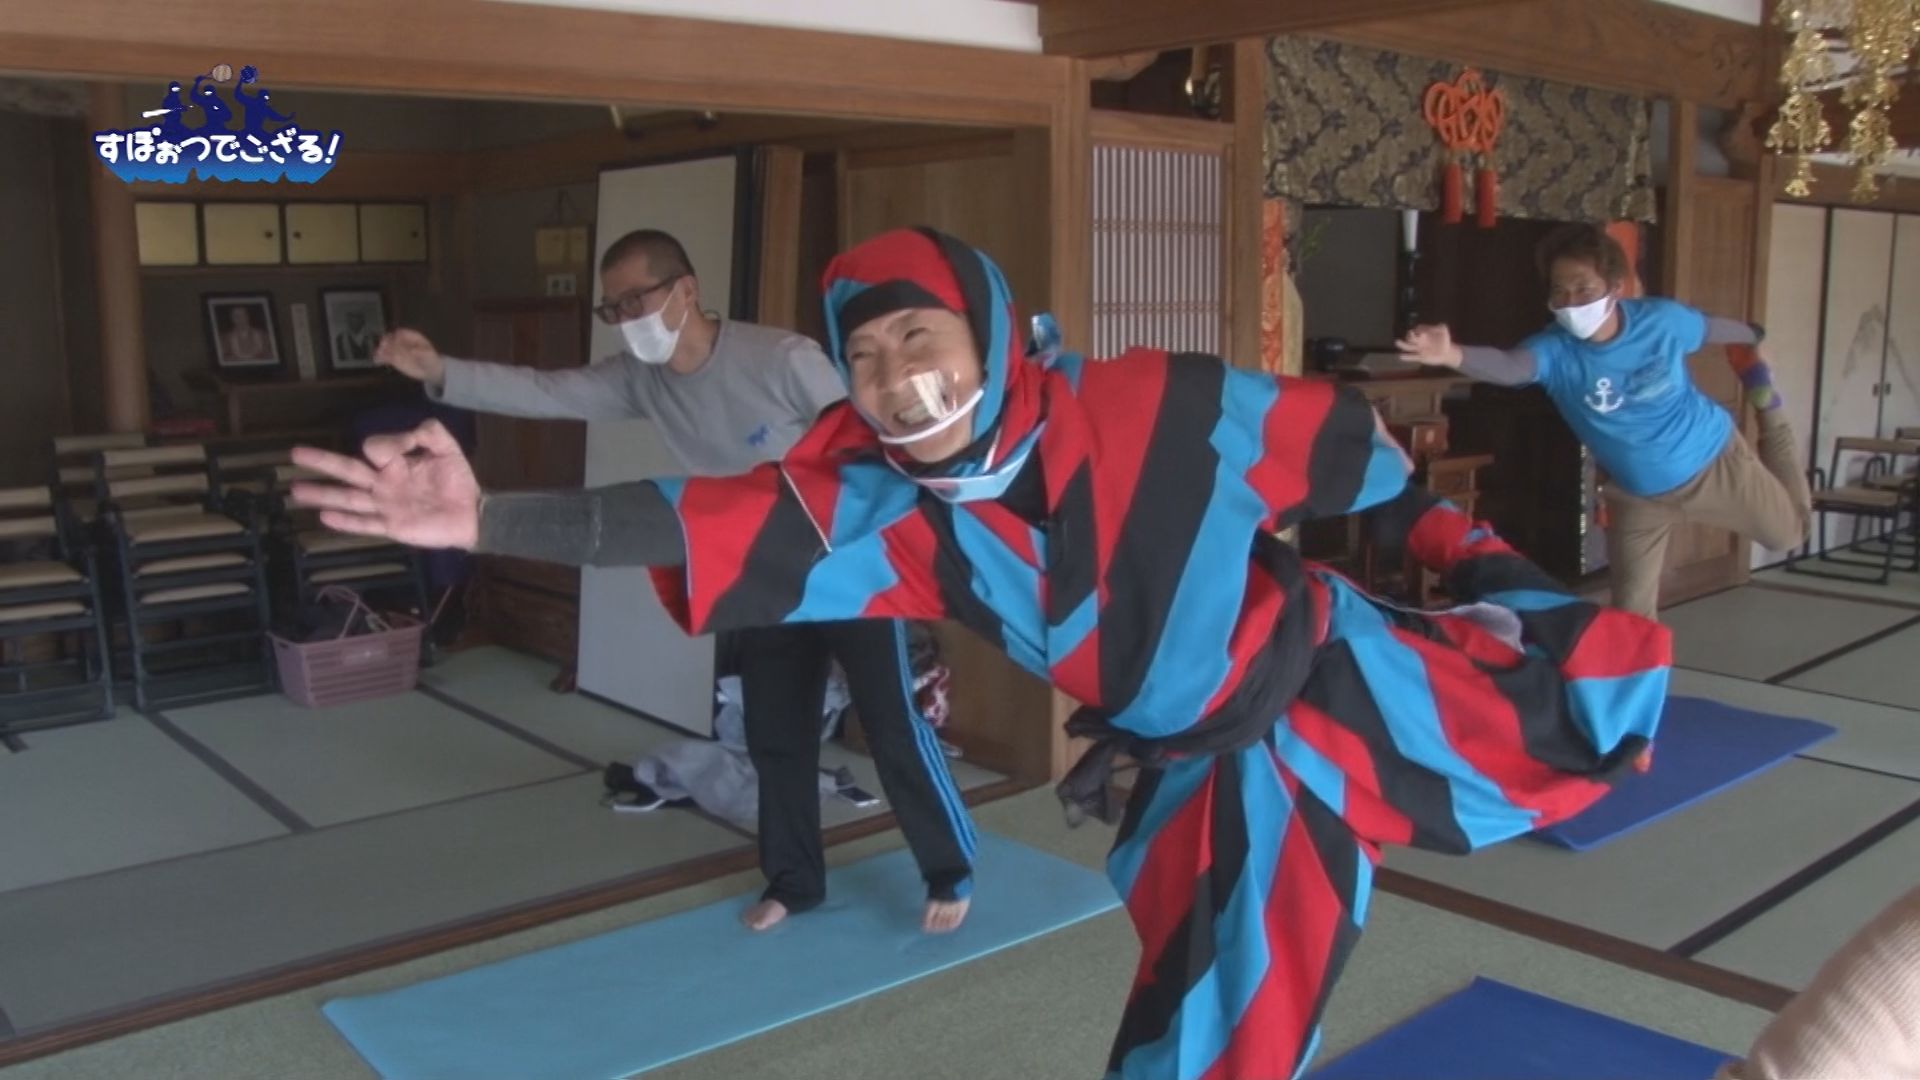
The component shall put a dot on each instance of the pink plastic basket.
(319, 673)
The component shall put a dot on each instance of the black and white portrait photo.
(355, 319)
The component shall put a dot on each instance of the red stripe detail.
(1162, 893)
(1125, 395)
(1483, 727)
(722, 517)
(910, 545)
(1439, 539)
(1304, 915)
(1260, 611)
(670, 584)
(1287, 438)
(1615, 644)
(1365, 810)
(1007, 528)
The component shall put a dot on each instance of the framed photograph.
(241, 334)
(354, 319)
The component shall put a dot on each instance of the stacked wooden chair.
(184, 562)
(49, 597)
(1872, 480)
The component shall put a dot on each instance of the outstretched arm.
(1434, 346)
(1723, 331)
(727, 552)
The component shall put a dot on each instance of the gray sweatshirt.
(752, 400)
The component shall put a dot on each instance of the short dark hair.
(1584, 243)
(664, 254)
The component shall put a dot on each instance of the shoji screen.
(1158, 249)
(1796, 284)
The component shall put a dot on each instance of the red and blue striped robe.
(1294, 724)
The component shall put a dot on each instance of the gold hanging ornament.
(1881, 36)
(1801, 127)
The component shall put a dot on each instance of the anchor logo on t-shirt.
(1603, 399)
(759, 436)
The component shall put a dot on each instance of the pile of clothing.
(717, 775)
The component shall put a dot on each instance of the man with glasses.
(726, 396)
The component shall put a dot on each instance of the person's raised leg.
(1778, 504)
(913, 771)
(783, 673)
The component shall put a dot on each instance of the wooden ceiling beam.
(1636, 46)
(1098, 28)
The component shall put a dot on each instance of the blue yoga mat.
(1492, 1031)
(1701, 749)
(659, 991)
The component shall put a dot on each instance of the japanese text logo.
(193, 133)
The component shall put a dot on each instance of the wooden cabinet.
(322, 233)
(393, 232)
(277, 234)
(530, 606)
(169, 233)
(241, 234)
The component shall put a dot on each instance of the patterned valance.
(1344, 126)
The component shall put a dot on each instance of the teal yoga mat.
(640, 997)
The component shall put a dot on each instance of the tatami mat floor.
(1762, 881)
(151, 856)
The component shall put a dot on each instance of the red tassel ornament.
(1486, 193)
(1451, 197)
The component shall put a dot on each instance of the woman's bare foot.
(764, 915)
(944, 916)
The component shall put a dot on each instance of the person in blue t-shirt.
(1616, 368)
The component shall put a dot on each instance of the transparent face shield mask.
(923, 405)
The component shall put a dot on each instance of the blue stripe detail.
(1386, 474)
(1004, 582)
(1362, 888)
(1062, 640)
(996, 351)
(1397, 680)
(1190, 661)
(1530, 599)
(931, 757)
(673, 487)
(843, 583)
(1313, 1050)
(1610, 709)
(1317, 774)
(1214, 1005)
(1071, 366)
(836, 296)
(1178, 782)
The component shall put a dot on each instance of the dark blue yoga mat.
(637, 998)
(1702, 748)
(1492, 1031)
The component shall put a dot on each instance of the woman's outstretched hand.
(415, 488)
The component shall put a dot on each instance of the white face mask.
(1585, 320)
(649, 338)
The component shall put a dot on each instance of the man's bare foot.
(764, 915)
(944, 916)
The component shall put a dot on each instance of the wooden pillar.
(116, 259)
(779, 292)
(1677, 220)
(1246, 190)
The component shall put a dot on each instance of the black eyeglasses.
(630, 304)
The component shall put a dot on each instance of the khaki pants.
(1761, 496)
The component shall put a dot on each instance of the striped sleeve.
(757, 557)
(1324, 452)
